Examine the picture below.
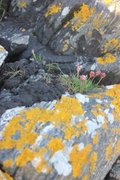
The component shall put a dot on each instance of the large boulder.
(74, 138)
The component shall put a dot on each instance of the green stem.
(99, 81)
(93, 78)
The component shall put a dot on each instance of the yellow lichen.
(62, 115)
(42, 163)
(93, 160)
(81, 16)
(24, 157)
(109, 151)
(8, 163)
(108, 58)
(117, 147)
(114, 93)
(22, 4)
(110, 45)
(53, 9)
(79, 159)
(105, 125)
(86, 177)
(55, 144)
(108, 1)
(96, 139)
(25, 123)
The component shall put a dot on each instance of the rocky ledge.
(45, 131)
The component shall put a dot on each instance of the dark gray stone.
(12, 38)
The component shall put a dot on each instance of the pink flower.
(83, 77)
(92, 74)
(98, 73)
(103, 75)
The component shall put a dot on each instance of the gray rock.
(12, 38)
(4, 7)
(70, 34)
(85, 147)
(115, 171)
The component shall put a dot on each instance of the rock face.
(3, 54)
(115, 172)
(76, 137)
(12, 38)
(71, 27)
(81, 30)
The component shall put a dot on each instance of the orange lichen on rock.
(55, 144)
(79, 158)
(96, 138)
(69, 132)
(62, 114)
(110, 45)
(93, 160)
(86, 177)
(76, 130)
(24, 157)
(8, 163)
(117, 147)
(114, 93)
(81, 16)
(42, 164)
(109, 151)
(53, 9)
(69, 116)
(108, 58)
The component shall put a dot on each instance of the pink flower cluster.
(83, 77)
(93, 74)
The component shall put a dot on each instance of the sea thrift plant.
(81, 82)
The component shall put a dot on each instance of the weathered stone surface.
(84, 31)
(87, 31)
(24, 83)
(12, 38)
(3, 54)
(76, 137)
(115, 171)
